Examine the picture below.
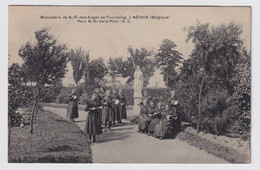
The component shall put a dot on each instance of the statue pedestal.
(136, 108)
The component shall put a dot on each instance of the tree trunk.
(32, 117)
(199, 115)
(34, 109)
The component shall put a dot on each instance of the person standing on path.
(93, 125)
(115, 107)
(107, 115)
(72, 110)
(122, 105)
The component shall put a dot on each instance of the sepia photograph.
(129, 84)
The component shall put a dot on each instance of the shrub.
(50, 93)
(18, 96)
(63, 97)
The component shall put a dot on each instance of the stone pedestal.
(136, 108)
(138, 86)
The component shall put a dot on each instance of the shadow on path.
(115, 134)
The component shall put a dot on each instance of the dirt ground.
(124, 145)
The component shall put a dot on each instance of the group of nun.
(104, 109)
(159, 117)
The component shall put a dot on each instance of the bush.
(50, 93)
(128, 91)
(81, 90)
(18, 96)
(63, 97)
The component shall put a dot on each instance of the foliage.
(15, 74)
(45, 62)
(218, 49)
(242, 96)
(81, 90)
(168, 60)
(63, 96)
(213, 86)
(79, 60)
(145, 59)
(50, 93)
(138, 55)
(97, 71)
(117, 66)
(18, 95)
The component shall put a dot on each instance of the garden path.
(124, 145)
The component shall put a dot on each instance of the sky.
(112, 39)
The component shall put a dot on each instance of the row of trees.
(212, 84)
(45, 64)
(96, 70)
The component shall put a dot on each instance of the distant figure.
(122, 105)
(107, 115)
(115, 108)
(93, 125)
(146, 98)
(72, 111)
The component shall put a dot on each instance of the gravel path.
(124, 145)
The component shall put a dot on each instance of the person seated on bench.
(168, 122)
(147, 116)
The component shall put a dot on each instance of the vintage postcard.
(129, 84)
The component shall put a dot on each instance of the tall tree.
(117, 66)
(45, 62)
(144, 58)
(97, 70)
(78, 60)
(168, 60)
(217, 51)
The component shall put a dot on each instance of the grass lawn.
(55, 140)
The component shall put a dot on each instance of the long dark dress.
(162, 127)
(72, 110)
(143, 117)
(107, 115)
(146, 118)
(122, 107)
(100, 96)
(115, 108)
(93, 124)
(173, 107)
(155, 119)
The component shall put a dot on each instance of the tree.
(217, 51)
(148, 70)
(168, 60)
(242, 94)
(78, 60)
(117, 66)
(144, 58)
(45, 62)
(97, 70)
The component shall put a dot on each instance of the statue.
(138, 82)
(138, 86)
